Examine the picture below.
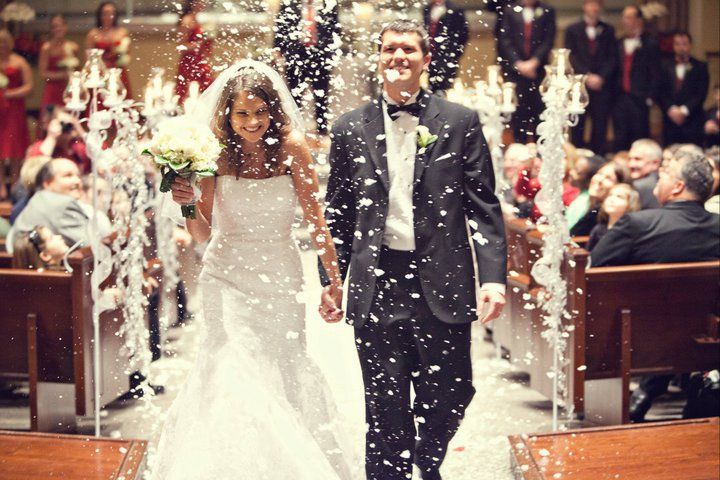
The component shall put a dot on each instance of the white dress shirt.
(401, 148)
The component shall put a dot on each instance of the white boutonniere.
(425, 138)
(538, 12)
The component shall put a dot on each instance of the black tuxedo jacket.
(603, 62)
(454, 186)
(511, 43)
(453, 28)
(692, 93)
(289, 34)
(645, 68)
(677, 232)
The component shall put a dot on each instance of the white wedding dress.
(254, 406)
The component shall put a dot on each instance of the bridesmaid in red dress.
(197, 48)
(15, 85)
(111, 38)
(58, 57)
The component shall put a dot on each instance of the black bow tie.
(411, 108)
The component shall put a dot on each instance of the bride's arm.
(182, 193)
(307, 190)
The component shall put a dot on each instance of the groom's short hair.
(407, 26)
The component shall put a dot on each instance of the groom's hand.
(494, 301)
(182, 192)
(330, 303)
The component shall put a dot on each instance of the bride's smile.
(250, 117)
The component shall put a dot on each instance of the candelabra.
(495, 102)
(565, 98)
(86, 91)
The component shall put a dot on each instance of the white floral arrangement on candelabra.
(184, 148)
(123, 57)
(17, 12)
(565, 98)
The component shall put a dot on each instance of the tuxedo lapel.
(375, 139)
(428, 119)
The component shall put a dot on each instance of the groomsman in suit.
(593, 53)
(308, 37)
(400, 201)
(526, 37)
(448, 30)
(683, 87)
(636, 86)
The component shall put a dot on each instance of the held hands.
(677, 115)
(495, 301)
(182, 192)
(330, 303)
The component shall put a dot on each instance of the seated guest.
(61, 137)
(683, 86)
(681, 231)
(55, 204)
(713, 203)
(39, 249)
(712, 120)
(622, 157)
(622, 199)
(582, 171)
(25, 186)
(644, 163)
(516, 157)
(606, 177)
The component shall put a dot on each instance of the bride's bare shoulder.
(295, 139)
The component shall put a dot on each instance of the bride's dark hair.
(259, 85)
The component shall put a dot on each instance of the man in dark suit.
(308, 37)
(410, 172)
(593, 53)
(636, 85)
(644, 161)
(682, 90)
(681, 231)
(526, 38)
(448, 30)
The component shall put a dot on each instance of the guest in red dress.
(15, 85)
(58, 57)
(112, 39)
(196, 50)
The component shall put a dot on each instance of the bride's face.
(250, 117)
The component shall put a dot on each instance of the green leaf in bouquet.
(178, 165)
(160, 160)
(147, 152)
(205, 173)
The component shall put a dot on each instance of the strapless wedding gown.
(254, 406)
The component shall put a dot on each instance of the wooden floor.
(686, 450)
(31, 456)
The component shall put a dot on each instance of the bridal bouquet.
(187, 149)
(69, 61)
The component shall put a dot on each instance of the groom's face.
(402, 53)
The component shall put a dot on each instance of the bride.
(254, 406)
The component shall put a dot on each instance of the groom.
(400, 204)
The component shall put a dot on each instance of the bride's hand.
(182, 191)
(330, 303)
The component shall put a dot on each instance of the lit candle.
(94, 80)
(75, 93)
(492, 76)
(507, 96)
(149, 100)
(575, 96)
(561, 65)
(194, 90)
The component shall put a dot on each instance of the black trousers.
(530, 105)
(402, 345)
(598, 111)
(311, 71)
(631, 120)
(692, 131)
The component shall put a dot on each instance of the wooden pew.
(48, 332)
(5, 210)
(660, 451)
(26, 456)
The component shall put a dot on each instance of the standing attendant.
(307, 36)
(112, 39)
(58, 57)
(15, 85)
(197, 49)
(400, 201)
(593, 53)
(683, 87)
(636, 86)
(526, 38)
(448, 30)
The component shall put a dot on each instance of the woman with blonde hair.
(621, 199)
